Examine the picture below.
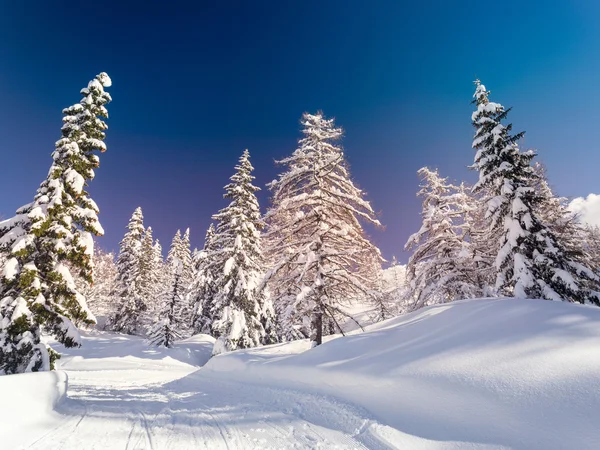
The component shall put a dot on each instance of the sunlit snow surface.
(480, 374)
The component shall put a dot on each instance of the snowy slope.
(481, 374)
(125, 395)
(474, 374)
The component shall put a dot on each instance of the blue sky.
(196, 83)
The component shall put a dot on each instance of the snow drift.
(31, 397)
(490, 373)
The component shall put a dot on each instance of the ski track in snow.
(171, 405)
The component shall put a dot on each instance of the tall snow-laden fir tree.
(238, 305)
(171, 322)
(49, 236)
(202, 290)
(129, 314)
(316, 243)
(441, 267)
(531, 262)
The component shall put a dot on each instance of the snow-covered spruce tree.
(159, 268)
(172, 322)
(187, 277)
(128, 316)
(98, 294)
(49, 235)
(202, 291)
(186, 259)
(148, 276)
(531, 261)
(238, 304)
(316, 243)
(441, 267)
(180, 251)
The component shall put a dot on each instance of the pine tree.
(171, 321)
(315, 240)
(187, 277)
(237, 306)
(46, 237)
(531, 261)
(441, 267)
(148, 278)
(202, 290)
(160, 269)
(128, 317)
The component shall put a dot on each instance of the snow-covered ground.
(481, 374)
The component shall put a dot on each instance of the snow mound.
(30, 396)
(103, 350)
(488, 373)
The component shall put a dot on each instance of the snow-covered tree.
(172, 322)
(149, 277)
(315, 240)
(49, 235)
(180, 251)
(592, 247)
(238, 305)
(159, 267)
(202, 290)
(441, 267)
(99, 293)
(186, 259)
(131, 306)
(531, 262)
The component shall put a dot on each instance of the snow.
(11, 268)
(32, 398)
(477, 374)
(499, 373)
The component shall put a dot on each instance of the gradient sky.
(195, 83)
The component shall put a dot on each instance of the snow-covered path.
(168, 404)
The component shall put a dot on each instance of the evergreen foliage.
(129, 314)
(237, 308)
(172, 315)
(441, 267)
(315, 240)
(47, 237)
(99, 293)
(202, 289)
(531, 261)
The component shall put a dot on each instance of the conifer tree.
(148, 278)
(49, 235)
(171, 322)
(202, 290)
(441, 267)
(238, 304)
(531, 262)
(99, 293)
(315, 239)
(128, 317)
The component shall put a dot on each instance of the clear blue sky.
(194, 83)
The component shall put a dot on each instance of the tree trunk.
(317, 325)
